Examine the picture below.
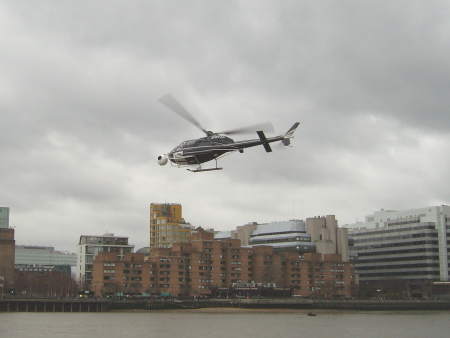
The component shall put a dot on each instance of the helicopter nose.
(162, 159)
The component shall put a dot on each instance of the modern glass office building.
(43, 255)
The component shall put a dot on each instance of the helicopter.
(215, 144)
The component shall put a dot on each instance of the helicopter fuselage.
(206, 149)
(201, 150)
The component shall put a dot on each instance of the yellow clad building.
(167, 225)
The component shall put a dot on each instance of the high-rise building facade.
(4, 217)
(327, 237)
(243, 232)
(402, 251)
(7, 244)
(90, 246)
(167, 225)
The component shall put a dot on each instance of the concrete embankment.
(52, 305)
(290, 303)
(366, 305)
(76, 305)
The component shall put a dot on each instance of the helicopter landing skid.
(200, 170)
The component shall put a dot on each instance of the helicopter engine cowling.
(163, 159)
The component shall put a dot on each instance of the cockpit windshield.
(185, 144)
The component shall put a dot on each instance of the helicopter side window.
(222, 140)
(184, 144)
(188, 143)
(203, 142)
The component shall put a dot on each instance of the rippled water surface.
(227, 323)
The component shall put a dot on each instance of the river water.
(227, 324)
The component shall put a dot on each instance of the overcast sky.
(81, 126)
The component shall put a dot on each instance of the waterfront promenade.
(104, 305)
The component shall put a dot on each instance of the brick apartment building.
(205, 264)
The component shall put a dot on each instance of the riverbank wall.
(52, 305)
(77, 305)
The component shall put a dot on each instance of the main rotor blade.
(170, 102)
(268, 127)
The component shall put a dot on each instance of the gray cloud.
(81, 126)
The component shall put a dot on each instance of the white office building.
(282, 235)
(402, 245)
